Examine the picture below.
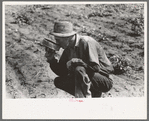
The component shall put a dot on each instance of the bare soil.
(28, 74)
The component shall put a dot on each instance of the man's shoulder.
(87, 39)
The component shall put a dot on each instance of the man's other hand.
(74, 62)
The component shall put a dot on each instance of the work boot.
(96, 94)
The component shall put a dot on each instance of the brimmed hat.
(63, 29)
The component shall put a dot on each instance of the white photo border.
(106, 108)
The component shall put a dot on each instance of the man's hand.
(50, 55)
(74, 62)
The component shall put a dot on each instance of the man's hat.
(63, 29)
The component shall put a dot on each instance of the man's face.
(62, 41)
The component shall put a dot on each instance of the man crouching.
(83, 67)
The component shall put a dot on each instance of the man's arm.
(98, 59)
(54, 65)
(59, 68)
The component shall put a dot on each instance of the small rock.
(42, 96)
(33, 96)
(39, 81)
(16, 36)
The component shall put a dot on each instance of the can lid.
(47, 44)
(50, 45)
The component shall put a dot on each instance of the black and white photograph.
(75, 51)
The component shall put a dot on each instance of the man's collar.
(77, 40)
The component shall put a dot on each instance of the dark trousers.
(94, 83)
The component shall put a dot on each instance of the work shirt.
(89, 51)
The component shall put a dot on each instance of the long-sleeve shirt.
(89, 51)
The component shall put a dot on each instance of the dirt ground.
(28, 74)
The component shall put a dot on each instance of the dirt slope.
(28, 75)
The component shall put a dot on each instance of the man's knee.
(102, 83)
(108, 87)
(56, 81)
